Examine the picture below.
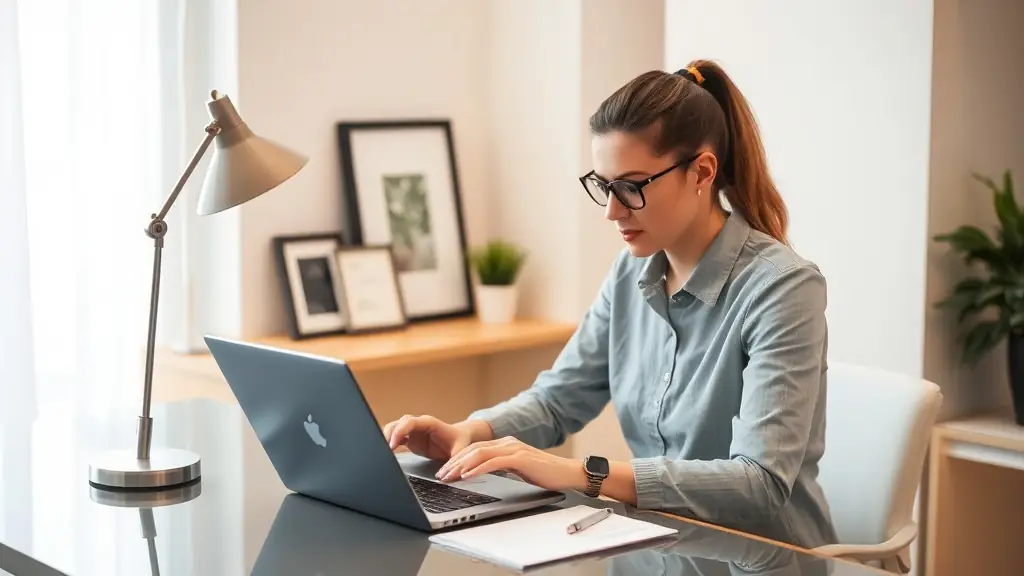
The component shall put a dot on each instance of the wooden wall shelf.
(421, 343)
(429, 342)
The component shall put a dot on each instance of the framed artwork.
(369, 287)
(401, 188)
(307, 271)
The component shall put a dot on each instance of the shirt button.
(666, 377)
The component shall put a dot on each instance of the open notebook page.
(541, 538)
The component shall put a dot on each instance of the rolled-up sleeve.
(785, 337)
(571, 393)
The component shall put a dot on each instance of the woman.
(708, 335)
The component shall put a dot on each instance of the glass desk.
(241, 520)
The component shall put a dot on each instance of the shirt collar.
(713, 269)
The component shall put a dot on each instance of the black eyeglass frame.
(637, 184)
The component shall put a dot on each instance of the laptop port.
(473, 517)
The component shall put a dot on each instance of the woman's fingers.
(476, 454)
(461, 454)
(391, 428)
(484, 444)
(404, 427)
(508, 462)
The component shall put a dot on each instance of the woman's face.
(671, 202)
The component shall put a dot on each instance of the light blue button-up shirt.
(719, 389)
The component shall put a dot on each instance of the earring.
(698, 191)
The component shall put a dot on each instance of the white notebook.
(541, 538)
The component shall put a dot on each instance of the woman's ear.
(706, 168)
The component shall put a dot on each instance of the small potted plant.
(994, 300)
(497, 265)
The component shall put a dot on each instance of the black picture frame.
(352, 326)
(354, 232)
(327, 245)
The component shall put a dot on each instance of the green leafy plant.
(498, 262)
(1000, 290)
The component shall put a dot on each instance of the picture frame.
(371, 297)
(307, 273)
(400, 187)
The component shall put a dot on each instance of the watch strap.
(593, 485)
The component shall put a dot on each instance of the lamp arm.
(156, 230)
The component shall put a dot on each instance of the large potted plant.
(497, 265)
(991, 301)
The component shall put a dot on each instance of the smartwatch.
(597, 470)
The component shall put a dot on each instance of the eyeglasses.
(628, 192)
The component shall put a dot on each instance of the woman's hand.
(432, 438)
(532, 465)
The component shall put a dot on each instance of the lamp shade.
(244, 165)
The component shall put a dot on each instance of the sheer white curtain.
(17, 398)
(89, 97)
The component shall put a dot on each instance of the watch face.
(597, 465)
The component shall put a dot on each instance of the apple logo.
(313, 429)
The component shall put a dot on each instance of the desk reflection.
(313, 537)
(706, 552)
(145, 501)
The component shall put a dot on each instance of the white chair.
(877, 431)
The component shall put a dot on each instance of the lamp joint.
(157, 229)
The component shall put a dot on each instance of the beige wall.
(533, 110)
(845, 123)
(977, 125)
(541, 93)
(306, 64)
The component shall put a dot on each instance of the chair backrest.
(877, 431)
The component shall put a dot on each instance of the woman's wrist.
(479, 430)
(620, 484)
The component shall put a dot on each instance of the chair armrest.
(864, 552)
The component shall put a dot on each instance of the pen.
(588, 521)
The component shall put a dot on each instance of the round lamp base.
(164, 468)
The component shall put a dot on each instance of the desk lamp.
(243, 167)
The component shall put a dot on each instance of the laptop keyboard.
(437, 497)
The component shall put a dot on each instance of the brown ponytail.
(701, 105)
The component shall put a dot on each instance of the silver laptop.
(325, 442)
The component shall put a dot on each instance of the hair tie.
(692, 73)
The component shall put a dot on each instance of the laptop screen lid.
(317, 429)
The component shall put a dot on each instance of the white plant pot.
(496, 304)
